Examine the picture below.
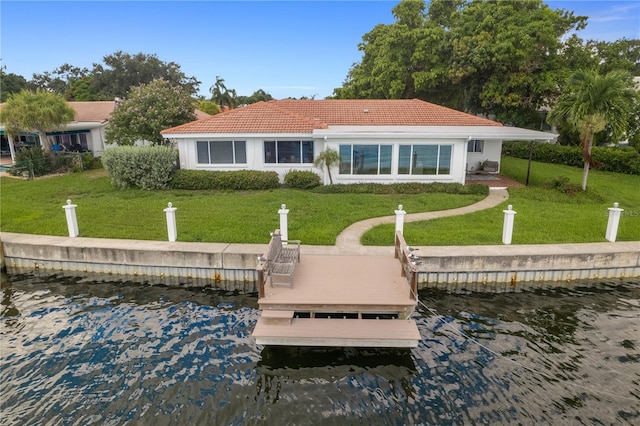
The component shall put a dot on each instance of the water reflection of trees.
(281, 364)
(553, 313)
(117, 292)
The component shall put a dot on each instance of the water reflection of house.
(378, 140)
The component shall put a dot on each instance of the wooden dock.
(357, 301)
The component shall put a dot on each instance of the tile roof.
(100, 111)
(302, 116)
(94, 111)
(261, 117)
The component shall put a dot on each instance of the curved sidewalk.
(350, 237)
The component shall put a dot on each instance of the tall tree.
(401, 60)
(589, 103)
(491, 57)
(59, 80)
(82, 90)
(122, 71)
(149, 109)
(623, 54)
(10, 83)
(257, 96)
(223, 96)
(40, 111)
(207, 106)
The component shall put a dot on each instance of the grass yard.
(35, 207)
(543, 215)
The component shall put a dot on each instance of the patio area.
(492, 180)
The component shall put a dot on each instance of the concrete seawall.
(232, 266)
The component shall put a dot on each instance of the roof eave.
(234, 135)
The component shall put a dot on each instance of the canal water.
(83, 353)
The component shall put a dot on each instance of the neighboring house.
(85, 134)
(378, 140)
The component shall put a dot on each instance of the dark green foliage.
(32, 160)
(64, 162)
(404, 188)
(145, 167)
(224, 180)
(617, 160)
(562, 184)
(301, 179)
(89, 162)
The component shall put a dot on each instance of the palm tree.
(40, 111)
(221, 95)
(327, 158)
(589, 103)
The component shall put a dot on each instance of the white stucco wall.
(96, 141)
(254, 151)
(255, 156)
(491, 152)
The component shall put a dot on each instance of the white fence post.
(400, 213)
(507, 227)
(172, 229)
(72, 221)
(284, 232)
(614, 221)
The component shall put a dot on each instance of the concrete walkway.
(350, 237)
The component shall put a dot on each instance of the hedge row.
(618, 160)
(301, 179)
(224, 180)
(145, 167)
(403, 188)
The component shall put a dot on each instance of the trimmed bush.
(617, 160)
(224, 180)
(301, 179)
(404, 188)
(145, 167)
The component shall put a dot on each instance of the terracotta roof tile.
(100, 111)
(302, 116)
(261, 117)
(95, 111)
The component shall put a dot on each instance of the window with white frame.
(278, 152)
(221, 152)
(424, 159)
(365, 159)
(475, 145)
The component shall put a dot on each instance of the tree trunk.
(329, 171)
(44, 141)
(585, 173)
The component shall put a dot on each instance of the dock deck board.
(332, 302)
(346, 281)
(338, 332)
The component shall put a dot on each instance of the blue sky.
(287, 48)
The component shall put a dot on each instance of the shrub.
(32, 160)
(145, 167)
(301, 179)
(562, 184)
(89, 162)
(404, 188)
(617, 160)
(224, 180)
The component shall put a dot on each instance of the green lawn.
(35, 207)
(543, 215)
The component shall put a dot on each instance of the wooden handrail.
(408, 270)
